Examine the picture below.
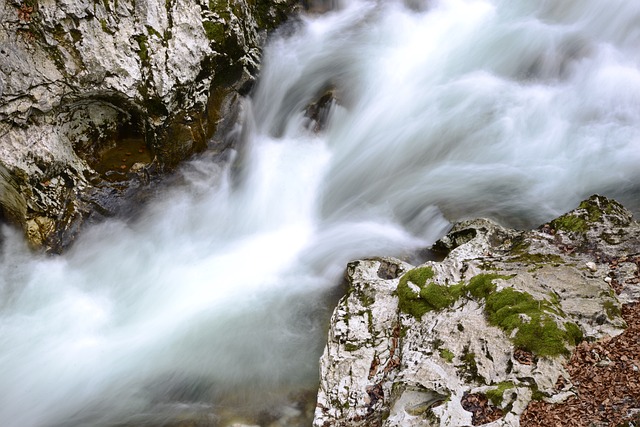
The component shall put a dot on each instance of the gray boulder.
(474, 338)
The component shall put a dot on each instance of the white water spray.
(445, 109)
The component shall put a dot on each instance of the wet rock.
(82, 80)
(474, 338)
(318, 112)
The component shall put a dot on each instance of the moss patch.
(432, 296)
(410, 301)
(418, 276)
(482, 285)
(429, 297)
(612, 310)
(143, 48)
(351, 347)
(214, 31)
(447, 355)
(594, 213)
(589, 211)
(570, 223)
(520, 246)
(153, 32)
(532, 322)
(440, 296)
(470, 366)
(496, 395)
(105, 26)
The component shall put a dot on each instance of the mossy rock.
(447, 354)
(482, 285)
(535, 325)
(496, 395)
(595, 210)
(433, 297)
(531, 323)
(429, 296)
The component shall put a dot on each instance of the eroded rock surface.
(95, 95)
(473, 339)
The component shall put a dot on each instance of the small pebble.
(592, 266)
(607, 279)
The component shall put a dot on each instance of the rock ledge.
(473, 339)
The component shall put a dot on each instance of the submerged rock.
(88, 89)
(473, 339)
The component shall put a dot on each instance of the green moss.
(482, 285)
(470, 366)
(351, 347)
(418, 276)
(152, 31)
(533, 321)
(366, 299)
(370, 320)
(496, 395)
(520, 246)
(430, 296)
(574, 332)
(447, 355)
(214, 31)
(594, 213)
(439, 297)
(611, 309)
(536, 394)
(409, 301)
(105, 27)
(143, 46)
(588, 212)
(570, 223)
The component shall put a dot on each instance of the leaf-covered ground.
(606, 379)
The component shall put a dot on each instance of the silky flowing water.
(215, 300)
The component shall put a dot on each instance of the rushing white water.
(445, 109)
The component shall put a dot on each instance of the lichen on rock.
(454, 342)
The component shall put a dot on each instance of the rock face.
(473, 339)
(96, 93)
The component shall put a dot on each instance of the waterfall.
(216, 298)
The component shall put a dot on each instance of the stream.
(215, 300)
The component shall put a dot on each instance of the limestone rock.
(79, 77)
(496, 319)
